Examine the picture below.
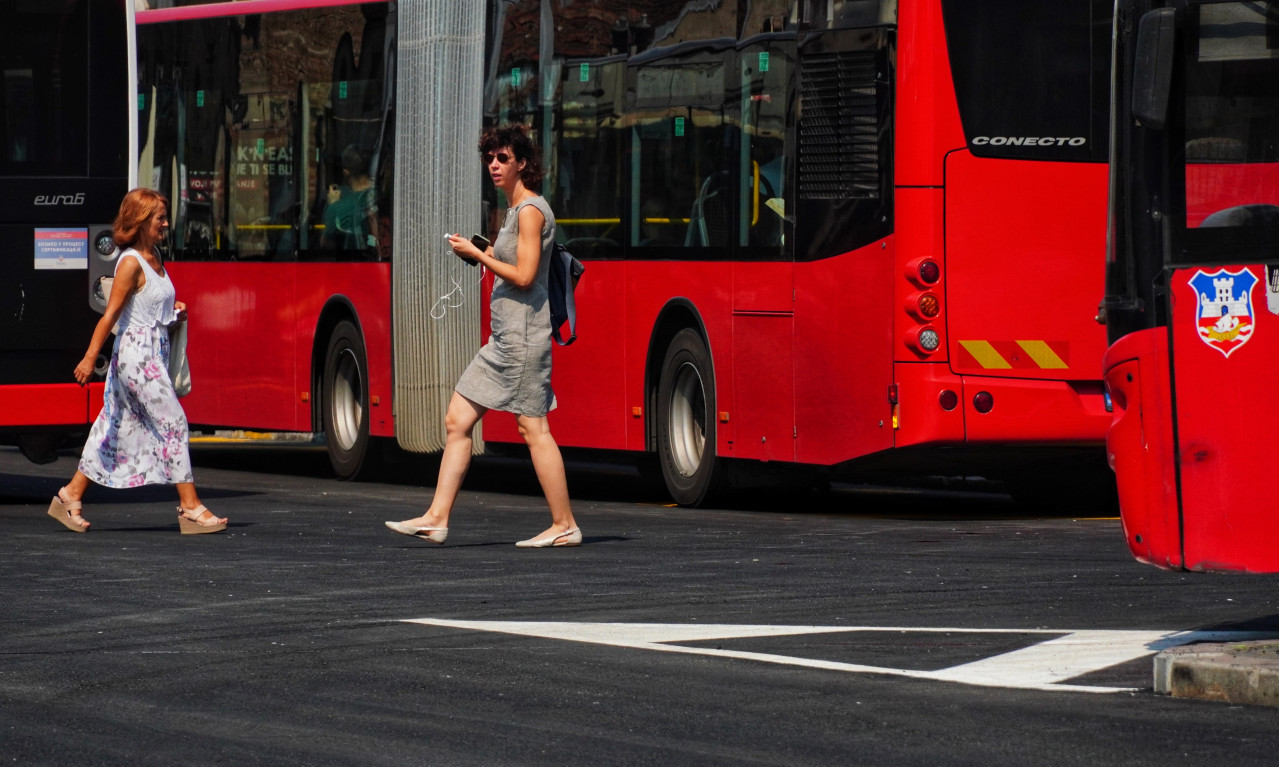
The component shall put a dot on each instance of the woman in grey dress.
(512, 372)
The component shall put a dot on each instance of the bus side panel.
(618, 312)
(1139, 446)
(843, 355)
(588, 377)
(1224, 373)
(235, 377)
(927, 122)
(49, 404)
(236, 372)
(368, 288)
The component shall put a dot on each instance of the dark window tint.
(1031, 77)
(1232, 133)
(272, 133)
(44, 92)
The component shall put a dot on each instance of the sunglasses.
(501, 157)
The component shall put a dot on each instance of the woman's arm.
(128, 278)
(528, 251)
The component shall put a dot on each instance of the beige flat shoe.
(68, 513)
(432, 534)
(567, 538)
(189, 521)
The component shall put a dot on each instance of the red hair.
(136, 209)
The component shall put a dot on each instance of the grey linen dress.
(512, 372)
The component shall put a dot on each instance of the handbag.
(179, 370)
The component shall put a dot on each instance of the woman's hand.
(463, 248)
(180, 308)
(84, 371)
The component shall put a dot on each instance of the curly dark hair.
(515, 137)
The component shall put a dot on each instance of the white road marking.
(1042, 666)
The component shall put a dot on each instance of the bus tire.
(686, 421)
(345, 407)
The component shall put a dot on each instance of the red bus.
(851, 234)
(63, 169)
(1193, 282)
(856, 234)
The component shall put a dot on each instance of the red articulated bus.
(63, 169)
(859, 234)
(1193, 282)
(831, 233)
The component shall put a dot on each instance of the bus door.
(1194, 420)
(763, 271)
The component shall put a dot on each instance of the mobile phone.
(481, 243)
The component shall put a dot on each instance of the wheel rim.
(348, 398)
(687, 420)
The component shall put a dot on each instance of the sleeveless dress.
(140, 437)
(512, 372)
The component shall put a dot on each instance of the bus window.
(1032, 79)
(682, 180)
(684, 140)
(1232, 127)
(766, 66)
(584, 145)
(265, 155)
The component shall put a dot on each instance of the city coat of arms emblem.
(1223, 308)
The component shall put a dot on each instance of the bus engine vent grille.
(839, 127)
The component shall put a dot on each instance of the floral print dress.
(141, 435)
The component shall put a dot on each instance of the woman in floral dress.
(140, 437)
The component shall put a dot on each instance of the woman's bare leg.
(549, 465)
(459, 425)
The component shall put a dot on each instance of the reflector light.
(105, 244)
(929, 272)
(948, 400)
(983, 402)
(929, 340)
(929, 306)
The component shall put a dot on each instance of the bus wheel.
(345, 408)
(686, 421)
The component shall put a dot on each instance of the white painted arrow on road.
(1046, 665)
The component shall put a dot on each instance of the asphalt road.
(869, 627)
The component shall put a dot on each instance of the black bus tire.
(345, 408)
(686, 421)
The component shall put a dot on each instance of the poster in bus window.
(62, 248)
(1224, 308)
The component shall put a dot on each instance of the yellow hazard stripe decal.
(1043, 355)
(985, 354)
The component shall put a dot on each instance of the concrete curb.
(1232, 672)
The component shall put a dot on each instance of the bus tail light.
(924, 340)
(923, 306)
(983, 402)
(924, 272)
(948, 400)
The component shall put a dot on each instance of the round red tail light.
(929, 272)
(983, 402)
(948, 400)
